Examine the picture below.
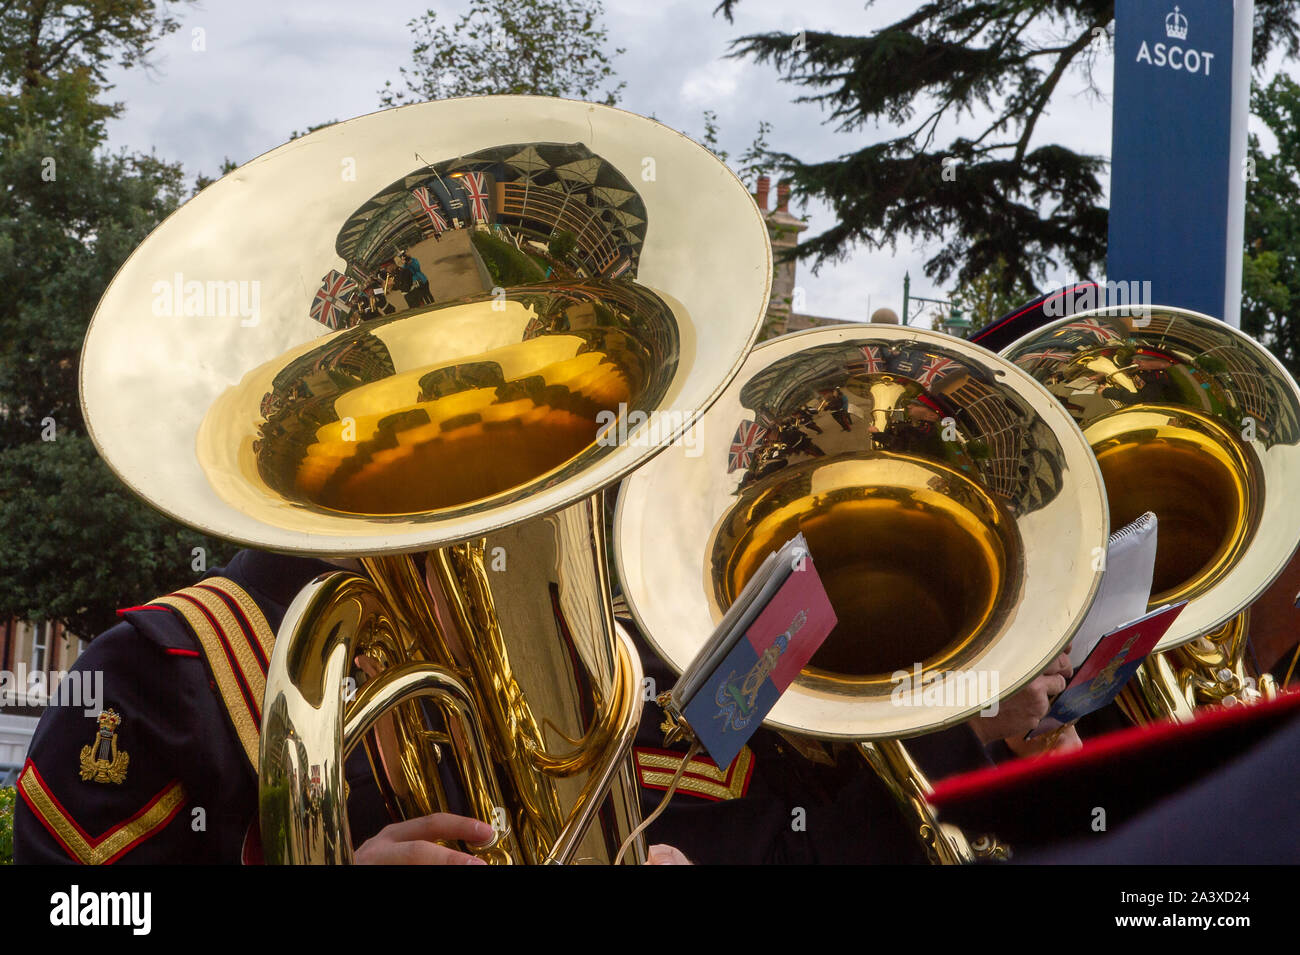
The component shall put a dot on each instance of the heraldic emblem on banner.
(736, 698)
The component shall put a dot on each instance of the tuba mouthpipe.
(429, 680)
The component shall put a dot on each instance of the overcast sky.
(269, 68)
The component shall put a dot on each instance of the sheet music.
(1125, 586)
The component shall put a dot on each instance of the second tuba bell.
(952, 508)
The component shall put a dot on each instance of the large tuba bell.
(427, 338)
(1195, 421)
(952, 509)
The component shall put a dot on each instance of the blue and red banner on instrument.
(1108, 667)
(741, 691)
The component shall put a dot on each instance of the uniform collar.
(276, 577)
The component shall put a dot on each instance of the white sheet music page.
(1125, 586)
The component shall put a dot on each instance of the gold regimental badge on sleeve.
(102, 761)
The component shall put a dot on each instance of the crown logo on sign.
(1176, 25)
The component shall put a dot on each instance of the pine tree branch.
(1049, 86)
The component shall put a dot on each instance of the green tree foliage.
(8, 796)
(544, 47)
(1007, 196)
(1270, 305)
(987, 296)
(710, 140)
(506, 264)
(77, 544)
(563, 245)
(753, 161)
(53, 56)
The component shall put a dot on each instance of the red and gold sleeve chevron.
(655, 769)
(110, 845)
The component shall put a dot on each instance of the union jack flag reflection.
(332, 303)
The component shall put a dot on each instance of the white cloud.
(712, 84)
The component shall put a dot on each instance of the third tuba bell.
(1195, 421)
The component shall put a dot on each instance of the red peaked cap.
(1029, 317)
(932, 403)
(1031, 801)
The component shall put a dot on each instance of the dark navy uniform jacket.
(183, 753)
(776, 805)
(773, 805)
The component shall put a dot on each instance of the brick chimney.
(764, 187)
(783, 196)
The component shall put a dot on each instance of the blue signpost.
(1175, 209)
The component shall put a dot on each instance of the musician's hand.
(1020, 713)
(666, 855)
(1061, 664)
(1066, 741)
(415, 842)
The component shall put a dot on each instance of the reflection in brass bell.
(952, 509)
(1193, 420)
(451, 358)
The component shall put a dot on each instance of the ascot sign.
(1172, 165)
(1173, 56)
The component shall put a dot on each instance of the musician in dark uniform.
(922, 431)
(166, 773)
(1151, 378)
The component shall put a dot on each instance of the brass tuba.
(1192, 419)
(952, 509)
(427, 339)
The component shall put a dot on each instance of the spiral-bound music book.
(766, 637)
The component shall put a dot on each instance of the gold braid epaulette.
(237, 641)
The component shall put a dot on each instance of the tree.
(77, 544)
(753, 161)
(53, 56)
(543, 47)
(1271, 270)
(997, 195)
(987, 296)
(710, 139)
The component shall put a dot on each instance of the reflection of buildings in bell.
(1014, 461)
(498, 218)
(599, 306)
(302, 398)
(462, 377)
(356, 356)
(549, 189)
(1219, 371)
